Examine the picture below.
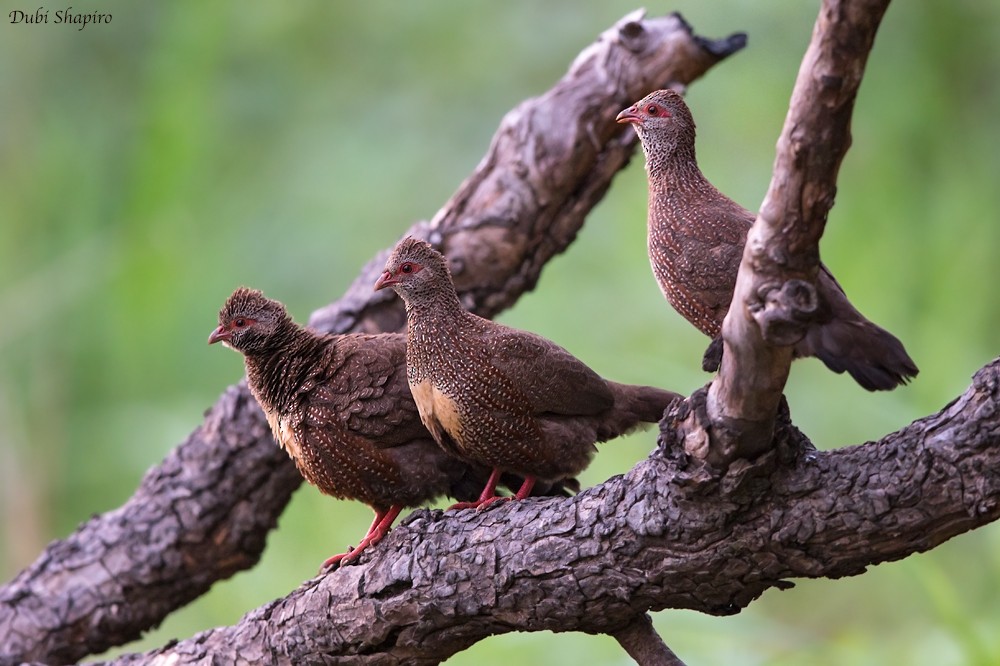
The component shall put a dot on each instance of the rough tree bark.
(675, 532)
(204, 513)
(671, 533)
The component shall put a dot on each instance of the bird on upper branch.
(696, 236)
(340, 406)
(498, 396)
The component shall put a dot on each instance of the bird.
(695, 238)
(340, 406)
(498, 396)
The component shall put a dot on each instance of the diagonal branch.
(658, 537)
(204, 512)
(775, 289)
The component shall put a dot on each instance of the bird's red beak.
(220, 334)
(385, 280)
(629, 115)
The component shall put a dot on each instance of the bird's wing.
(339, 461)
(549, 376)
(695, 251)
(363, 383)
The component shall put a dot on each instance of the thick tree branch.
(658, 537)
(204, 512)
(775, 294)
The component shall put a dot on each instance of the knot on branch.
(987, 378)
(784, 312)
(720, 48)
(716, 459)
(631, 32)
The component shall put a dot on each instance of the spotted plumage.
(341, 407)
(501, 397)
(695, 239)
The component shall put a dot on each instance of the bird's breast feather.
(284, 435)
(438, 411)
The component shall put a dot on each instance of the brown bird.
(501, 397)
(696, 236)
(341, 407)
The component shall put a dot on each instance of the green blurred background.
(149, 166)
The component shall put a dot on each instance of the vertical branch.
(775, 289)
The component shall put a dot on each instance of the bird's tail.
(847, 342)
(635, 406)
(873, 356)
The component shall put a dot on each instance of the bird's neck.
(676, 165)
(435, 325)
(440, 308)
(274, 375)
(675, 180)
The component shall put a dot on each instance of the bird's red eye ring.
(406, 268)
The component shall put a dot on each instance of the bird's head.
(662, 120)
(249, 322)
(415, 268)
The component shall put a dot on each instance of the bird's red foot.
(488, 496)
(480, 503)
(380, 527)
(335, 561)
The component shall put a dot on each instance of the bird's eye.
(239, 322)
(653, 110)
(406, 268)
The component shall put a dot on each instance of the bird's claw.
(479, 505)
(336, 561)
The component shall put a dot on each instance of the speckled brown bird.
(341, 407)
(498, 396)
(696, 236)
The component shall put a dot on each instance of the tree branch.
(669, 534)
(775, 294)
(204, 512)
(640, 640)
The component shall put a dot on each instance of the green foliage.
(149, 166)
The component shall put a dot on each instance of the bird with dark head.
(696, 236)
(498, 396)
(340, 406)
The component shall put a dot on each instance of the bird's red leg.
(488, 496)
(525, 489)
(380, 527)
(522, 492)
